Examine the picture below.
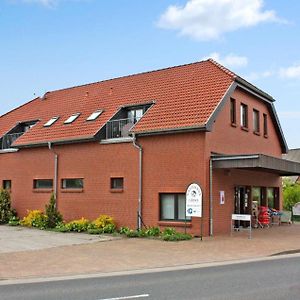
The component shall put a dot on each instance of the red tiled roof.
(184, 96)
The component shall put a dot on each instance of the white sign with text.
(193, 203)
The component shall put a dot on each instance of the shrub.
(124, 230)
(169, 231)
(5, 206)
(176, 237)
(95, 231)
(54, 217)
(60, 227)
(133, 233)
(78, 225)
(35, 218)
(152, 231)
(102, 222)
(14, 221)
(109, 228)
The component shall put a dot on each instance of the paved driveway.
(15, 239)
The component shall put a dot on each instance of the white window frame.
(94, 115)
(51, 121)
(72, 118)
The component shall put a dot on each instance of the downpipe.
(210, 199)
(139, 212)
(55, 171)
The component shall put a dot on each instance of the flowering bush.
(35, 218)
(102, 222)
(78, 225)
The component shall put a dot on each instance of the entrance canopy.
(256, 162)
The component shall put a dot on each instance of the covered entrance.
(250, 193)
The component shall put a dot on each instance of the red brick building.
(130, 146)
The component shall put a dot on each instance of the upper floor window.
(72, 183)
(256, 127)
(94, 115)
(244, 115)
(6, 184)
(232, 111)
(42, 183)
(51, 121)
(265, 125)
(135, 114)
(72, 118)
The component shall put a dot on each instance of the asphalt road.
(276, 279)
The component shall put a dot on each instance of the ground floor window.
(172, 207)
(256, 195)
(117, 183)
(72, 183)
(6, 184)
(271, 197)
(42, 183)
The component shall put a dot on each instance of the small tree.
(54, 216)
(5, 206)
(291, 194)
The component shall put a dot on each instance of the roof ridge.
(16, 108)
(130, 75)
(224, 69)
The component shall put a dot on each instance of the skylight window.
(94, 115)
(51, 121)
(72, 118)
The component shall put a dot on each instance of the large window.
(232, 111)
(271, 197)
(244, 115)
(72, 183)
(172, 207)
(42, 183)
(256, 127)
(256, 195)
(6, 184)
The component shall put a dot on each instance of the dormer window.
(72, 118)
(124, 120)
(94, 115)
(51, 121)
(9, 138)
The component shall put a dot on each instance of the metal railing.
(119, 128)
(8, 139)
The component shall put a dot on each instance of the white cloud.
(231, 60)
(260, 75)
(292, 72)
(209, 19)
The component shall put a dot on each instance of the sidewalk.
(124, 254)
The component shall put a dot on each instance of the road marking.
(127, 297)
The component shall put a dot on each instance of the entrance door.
(242, 205)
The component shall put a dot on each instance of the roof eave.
(171, 130)
(55, 142)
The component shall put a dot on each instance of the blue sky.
(53, 44)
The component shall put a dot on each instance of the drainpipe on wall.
(55, 171)
(210, 199)
(139, 212)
